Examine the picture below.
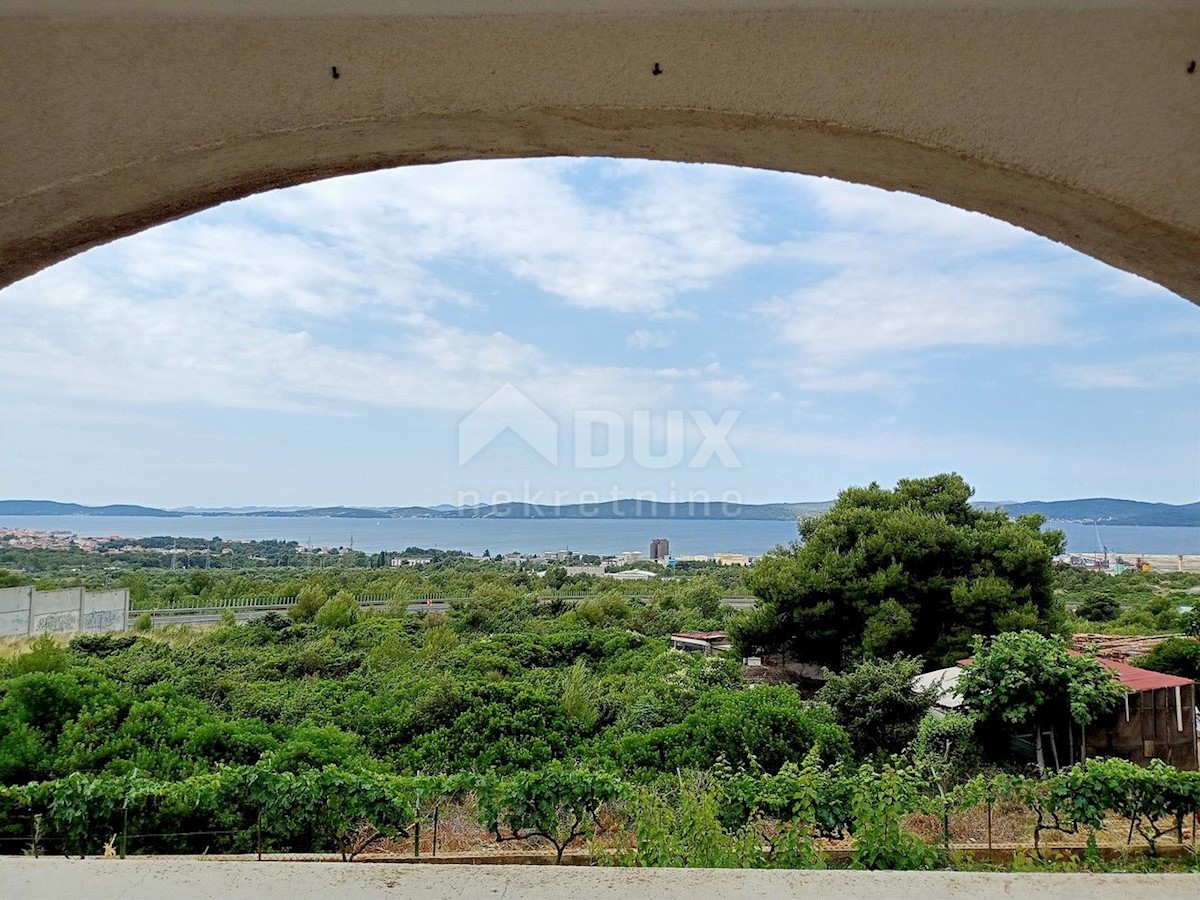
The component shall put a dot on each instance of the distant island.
(1102, 510)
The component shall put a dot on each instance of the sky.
(567, 330)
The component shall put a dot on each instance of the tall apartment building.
(660, 550)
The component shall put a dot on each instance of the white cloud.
(1143, 373)
(68, 334)
(652, 239)
(894, 275)
(644, 339)
(334, 292)
(887, 305)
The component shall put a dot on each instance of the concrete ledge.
(193, 879)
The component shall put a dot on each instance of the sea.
(600, 536)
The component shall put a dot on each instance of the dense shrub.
(308, 603)
(101, 644)
(339, 612)
(877, 705)
(1175, 656)
(762, 726)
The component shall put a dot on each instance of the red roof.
(1137, 680)
(1131, 677)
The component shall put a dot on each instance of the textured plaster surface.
(1075, 120)
(191, 879)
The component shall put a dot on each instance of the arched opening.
(1073, 124)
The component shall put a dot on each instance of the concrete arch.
(1079, 121)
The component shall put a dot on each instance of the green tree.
(579, 696)
(308, 603)
(1175, 656)
(882, 797)
(703, 594)
(559, 803)
(763, 726)
(1026, 681)
(494, 607)
(339, 612)
(914, 570)
(139, 589)
(1190, 622)
(556, 577)
(946, 744)
(1099, 607)
(876, 703)
(44, 655)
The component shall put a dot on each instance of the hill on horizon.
(1102, 510)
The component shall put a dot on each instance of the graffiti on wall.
(101, 620)
(58, 623)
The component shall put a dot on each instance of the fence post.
(438, 808)
(417, 839)
(124, 827)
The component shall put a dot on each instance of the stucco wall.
(1076, 120)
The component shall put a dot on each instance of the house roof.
(701, 635)
(1133, 679)
(1137, 680)
(946, 681)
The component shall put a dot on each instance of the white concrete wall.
(105, 611)
(14, 610)
(56, 612)
(24, 611)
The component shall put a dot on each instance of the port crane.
(1100, 542)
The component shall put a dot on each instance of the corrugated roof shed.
(946, 681)
(1137, 680)
(1131, 677)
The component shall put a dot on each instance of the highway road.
(247, 613)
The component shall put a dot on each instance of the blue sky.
(321, 345)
